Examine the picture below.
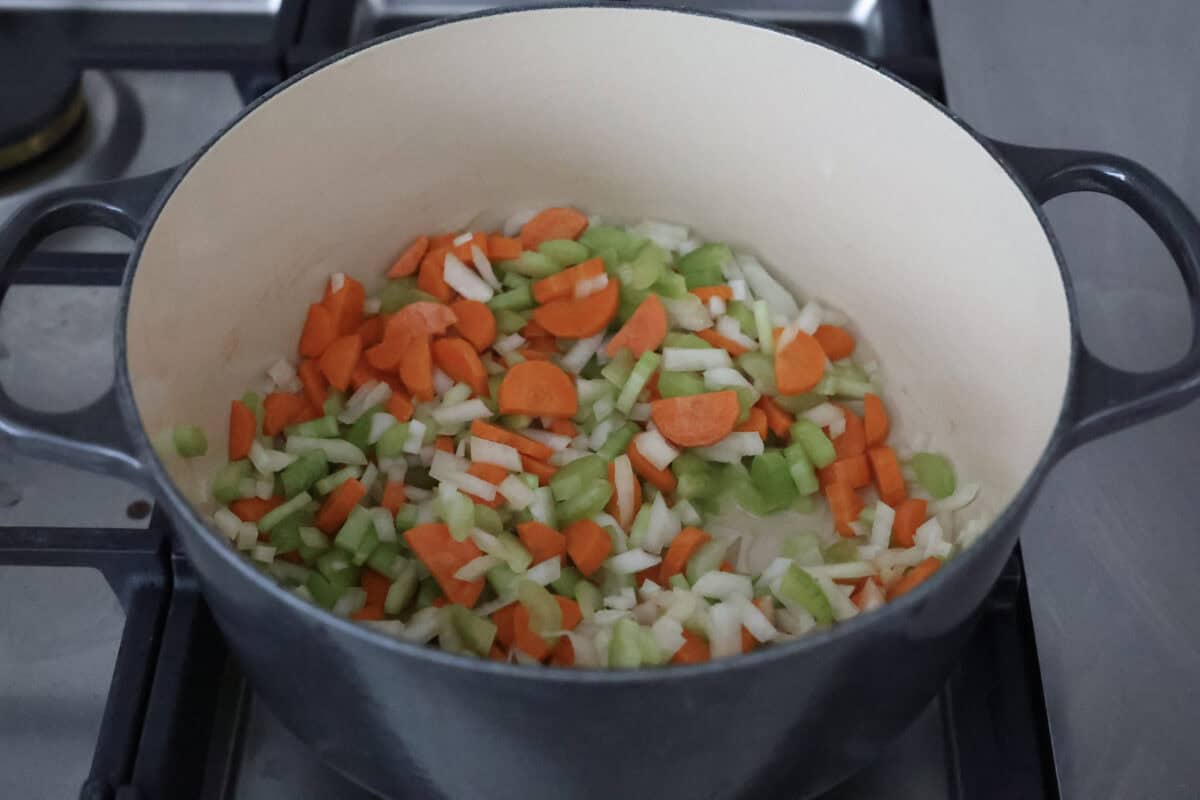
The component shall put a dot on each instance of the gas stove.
(114, 682)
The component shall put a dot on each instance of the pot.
(851, 184)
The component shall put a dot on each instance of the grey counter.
(1112, 544)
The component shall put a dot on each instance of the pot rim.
(858, 626)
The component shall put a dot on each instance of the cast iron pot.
(849, 183)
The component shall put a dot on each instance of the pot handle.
(70, 437)
(1103, 398)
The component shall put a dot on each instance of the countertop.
(1112, 542)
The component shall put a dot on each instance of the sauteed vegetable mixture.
(583, 445)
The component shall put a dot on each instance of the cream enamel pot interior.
(851, 185)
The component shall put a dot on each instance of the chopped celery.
(801, 469)
(618, 441)
(190, 441)
(456, 510)
(688, 341)
(704, 266)
(761, 369)
(321, 428)
(576, 476)
(511, 280)
(671, 284)
(648, 266)
(706, 559)
(588, 597)
(335, 565)
(427, 592)
(502, 579)
(638, 378)
(399, 293)
(508, 321)
(564, 252)
(324, 591)
(602, 237)
(285, 537)
(476, 633)
(386, 559)
(587, 503)
(816, 444)
(448, 637)
(361, 429)
(640, 526)
(744, 316)
(335, 401)
(771, 477)
(567, 579)
(841, 552)
(934, 473)
(867, 515)
(614, 583)
(391, 443)
(624, 649)
(679, 384)
(518, 299)
(630, 300)
(227, 483)
(799, 588)
(354, 530)
(253, 402)
(542, 509)
(678, 581)
(799, 403)
(329, 483)
(402, 590)
(366, 547)
(515, 422)
(283, 511)
(313, 543)
(531, 265)
(617, 370)
(610, 257)
(736, 480)
(513, 553)
(764, 327)
(302, 473)
(746, 400)
(488, 519)
(545, 614)
(652, 654)
(803, 548)
(406, 517)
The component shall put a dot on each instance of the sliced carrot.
(778, 420)
(541, 541)
(799, 365)
(364, 373)
(854, 441)
(400, 407)
(525, 638)
(875, 420)
(533, 330)
(612, 507)
(889, 480)
(421, 319)
(442, 240)
(444, 443)
(252, 509)
(748, 641)
(835, 341)
(458, 359)
(727, 567)
(502, 248)
(241, 430)
(320, 329)
(346, 306)
(914, 578)
(717, 340)
(661, 479)
(281, 409)
(854, 471)
(538, 389)
(416, 369)
(541, 469)
(371, 331)
(492, 474)
(694, 650)
(755, 423)
(387, 354)
(579, 319)
(564, 427)
(338, 505)
(368, 612)
(845, 504)
(431, 279)
(504, 620)
(706, 293)
(563, 654)
(683, 547)
(394, 496)
(543, 345)
(522, 444)
(644, 330)
(696, 420)
(497, 653)
(561, 285)
(648, 574)
(552, 223)
(375, 585)
(315, 387)
(465, 254)
(588, 545)
(476, 323)
(339, 360)
(410, 259)
(909, 516)
(444, 556)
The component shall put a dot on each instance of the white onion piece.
(227, 522)
(824, 415)
(733, 448)
(422, 626)
(516, 492)
(723, 585)
(765, 287)
(546, 572)
(737, 286)
(609, 616)
(755, 621)
(509, 344)
(963, 496)
(624, 601)
(904, 557)
(590, 286)
(282, 373)
(336, 281)
(485, 451)
(666, 235)
(631, 561)
(716, 306)
(385, 524)
(668, 634)
(581, 353)
(351, 600)
(843, 571)
(462, 412)
(727, 377)
(881, 526)
(565, 456)
(809, 318)
(476, 568)
(586, 654)
(416, 436)
(492, 606)
(843, 609)
(663, 527)
(513, 225)
(625, 488)
(732, 330)
(552, 440)
(600, 433)
(366, 397)
(688, 313)
(725, 630)
(486, 542)
(872, 596)
(794, 621)
(682, 604)
(462, 238)
(484, 266)
(645, 613)
(268, 461)
(655, 449)
(465, 281)
(689, 359)
(380, 423)
(687, 513)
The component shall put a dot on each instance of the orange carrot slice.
(837, 342)
(541, 469)
(561, 285)
(542, 541)
(339, 504)
(315, 388)
(644, 330)
(394, 496)
(281, 409)
(889, 480)
(241, 430)
(588, 545)
(444, 556)
(410, 259)
(799, 365)
(252, 509)
(778, 420)
(339, 360)
(502, 248)
(431, 279)
(552, 223)
(913, 578)
(421, 319)
(683, 547)
(694, 650)
(909, 516)
(696, 420)
(458, 359)
(538, 389)
(346, 306)
(845, 504)
(320, 330)
(717, 340)
(579, 319)
(612, 507)
(875, 420)
(661, 479)
(706, 293)
(400, 407)
(416, 369)
(522, 444)
(854, 441)
(476, 323)
(755, 423)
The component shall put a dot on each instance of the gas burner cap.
(41, 101)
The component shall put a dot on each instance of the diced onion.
(351, 600)
(590, 286)
(688, 313)
(380, 423)
(268, 461)
(462, 412)
(609, 616)
(338, 451)
(282, 373)
(581, 353)
(767, 288)
(733, 448)
(509, 344)
(336, 281)
(264, 488)
(722, 585)
(666, 235)
(546, 572)
(513, 225)
(462, 238)
(824, 415)
(484, 266)
(668, 634)
(442, 383)
(416, 436)
(625, 600)
(809, 318)
(631, 561)
(725, 630)
(843, 571)
(422, 626)
(486, 451)
(476, 568)
(903, 557)
(729, 328)
(727, 377)
(366, 397)
(716, 305)
(516, 492)
(227, 522)
(687, 513)
(372, 305)
(663, 526)
(872, 596)
(843, 609)
(552, 440)
(624, 481)
(755, 621)
(600, 433)
(561, 458)
(963, 496)
(881, 526)
(465, 281)
(688, 359)
(738, 287)
(264, 553)
(655, 449)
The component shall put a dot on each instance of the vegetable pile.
(550, 446)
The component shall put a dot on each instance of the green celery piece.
(630, 299)
(800, 588)
(397, 294)
(361, 429)
(336, 567)
(283, 511)
(324, 591)
(934, 473)
(618, 441)
(307, 469)
(680, 384)
(391, 444)
(226, 484)
(624, 649)
(311, 552)
(648, 266)
(688, 341)
(335, 401)
(427, 592)
(456, 510)
(285, 537)
(801, 469)
(564, 252)
(448, 637)
(531, 265)
(652, 654)
(576, 476)
(519, 299)
(566, 581)
(515, 422)
(588, 597)
(706, 559)
(587, 503)
(545, 614)
(403, 589)
(816, 444)
(746, 401)
(703, 266)
(771, 477)
(671, 284)
(744, 316)
(511, 280)
(841, 552)
(638, 378)
(617, 370)
(513, 552)
(640, 526)
(367, 547)
(475, 633)
(502, 579)
(508, 321)
(488, 519)
(332, 481)
(803, 548)
(608, 237)
(406, 517)
(190, 441)
(799, 403)
(354, 530)
(253, 402)
(321, 428)
(386, 559)
(761, 369)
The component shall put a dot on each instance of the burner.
(41, 100)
